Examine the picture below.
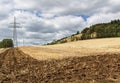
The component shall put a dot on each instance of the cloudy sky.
(45, 20)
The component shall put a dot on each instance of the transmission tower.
(15, 26)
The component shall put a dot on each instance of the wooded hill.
(102, 30)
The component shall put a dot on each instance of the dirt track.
(18, 67)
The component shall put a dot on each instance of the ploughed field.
(103, 66)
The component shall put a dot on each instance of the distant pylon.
(15, 26)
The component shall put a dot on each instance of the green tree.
(6, 43)
(77, 32)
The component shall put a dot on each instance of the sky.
(43, 21)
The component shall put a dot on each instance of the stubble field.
(79, 49)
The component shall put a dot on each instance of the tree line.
(102, 30)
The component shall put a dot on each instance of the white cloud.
(5, 7)
(102, 18)
(61, 7)
(54, 28)
(24, 4)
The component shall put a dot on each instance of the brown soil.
(18, 67)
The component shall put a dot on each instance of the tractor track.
(18, 67)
